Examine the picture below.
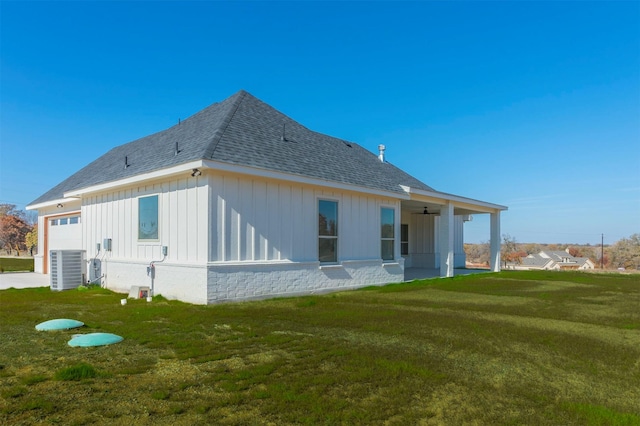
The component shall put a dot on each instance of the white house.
(552, 260)
(240, 201)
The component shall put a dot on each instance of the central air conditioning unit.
(67, 269)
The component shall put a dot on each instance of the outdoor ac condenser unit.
(67, 269)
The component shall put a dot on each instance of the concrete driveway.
(23, 280)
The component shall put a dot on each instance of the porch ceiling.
(417, 207)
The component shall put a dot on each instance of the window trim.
(336, 237)
(392, 239)
(149, 240)
(402, 241)
(65, 219)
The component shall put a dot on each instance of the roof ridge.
(215, 140)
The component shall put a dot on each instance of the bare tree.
(13, 230)
(478, 253)
(509, 251)
(625, 253)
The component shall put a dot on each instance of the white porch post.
(495, 242)
(446, 240)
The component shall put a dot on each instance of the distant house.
(239, 201)
(552, 260)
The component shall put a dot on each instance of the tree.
(478, 253)
(531, 248)
(31, 239)
(13, 230)
(10, 210)
(510, 251)
(575, 252)
(626, 253)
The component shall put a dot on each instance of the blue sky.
(533, 105)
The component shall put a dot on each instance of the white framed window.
(387, 233)
(148, 218)
(327, 231)
(69, 220)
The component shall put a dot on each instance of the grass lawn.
(12, 264)
(508, 348)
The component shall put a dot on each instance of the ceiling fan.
(426, 211)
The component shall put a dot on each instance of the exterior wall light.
(196, 173)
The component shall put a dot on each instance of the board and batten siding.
(182, 215)
(260, 221)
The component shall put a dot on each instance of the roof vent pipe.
(381, 148)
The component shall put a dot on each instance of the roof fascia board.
(136, 179)
(270, 174)
(225, 167)
(457, 200)
(51, 203)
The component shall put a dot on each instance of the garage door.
(63, 233)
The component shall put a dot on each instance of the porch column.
(446, 240)
(494, 260)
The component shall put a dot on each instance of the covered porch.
(432, 233)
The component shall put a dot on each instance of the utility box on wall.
(95, 270)
(67, 269)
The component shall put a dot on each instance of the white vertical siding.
(273, 212)
(422, 238)
(254, 220)
(183, 222)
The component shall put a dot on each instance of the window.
(387, 232)
(404, 240)
(327, 231)
(65, 221)
(148, 218)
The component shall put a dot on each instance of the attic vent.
(177, 149)
(347, 144)
(283, 138)
(126, 162)
(381, 148)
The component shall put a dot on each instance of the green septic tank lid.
(59, 324)
(95, 339)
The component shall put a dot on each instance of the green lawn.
(13, 264)
(508, 348)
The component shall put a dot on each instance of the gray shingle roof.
(245, 131)
(534, 261)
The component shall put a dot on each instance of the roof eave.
(458, 201)
(160, 173)
(291, 177)
(51, 203)
(219, 166)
